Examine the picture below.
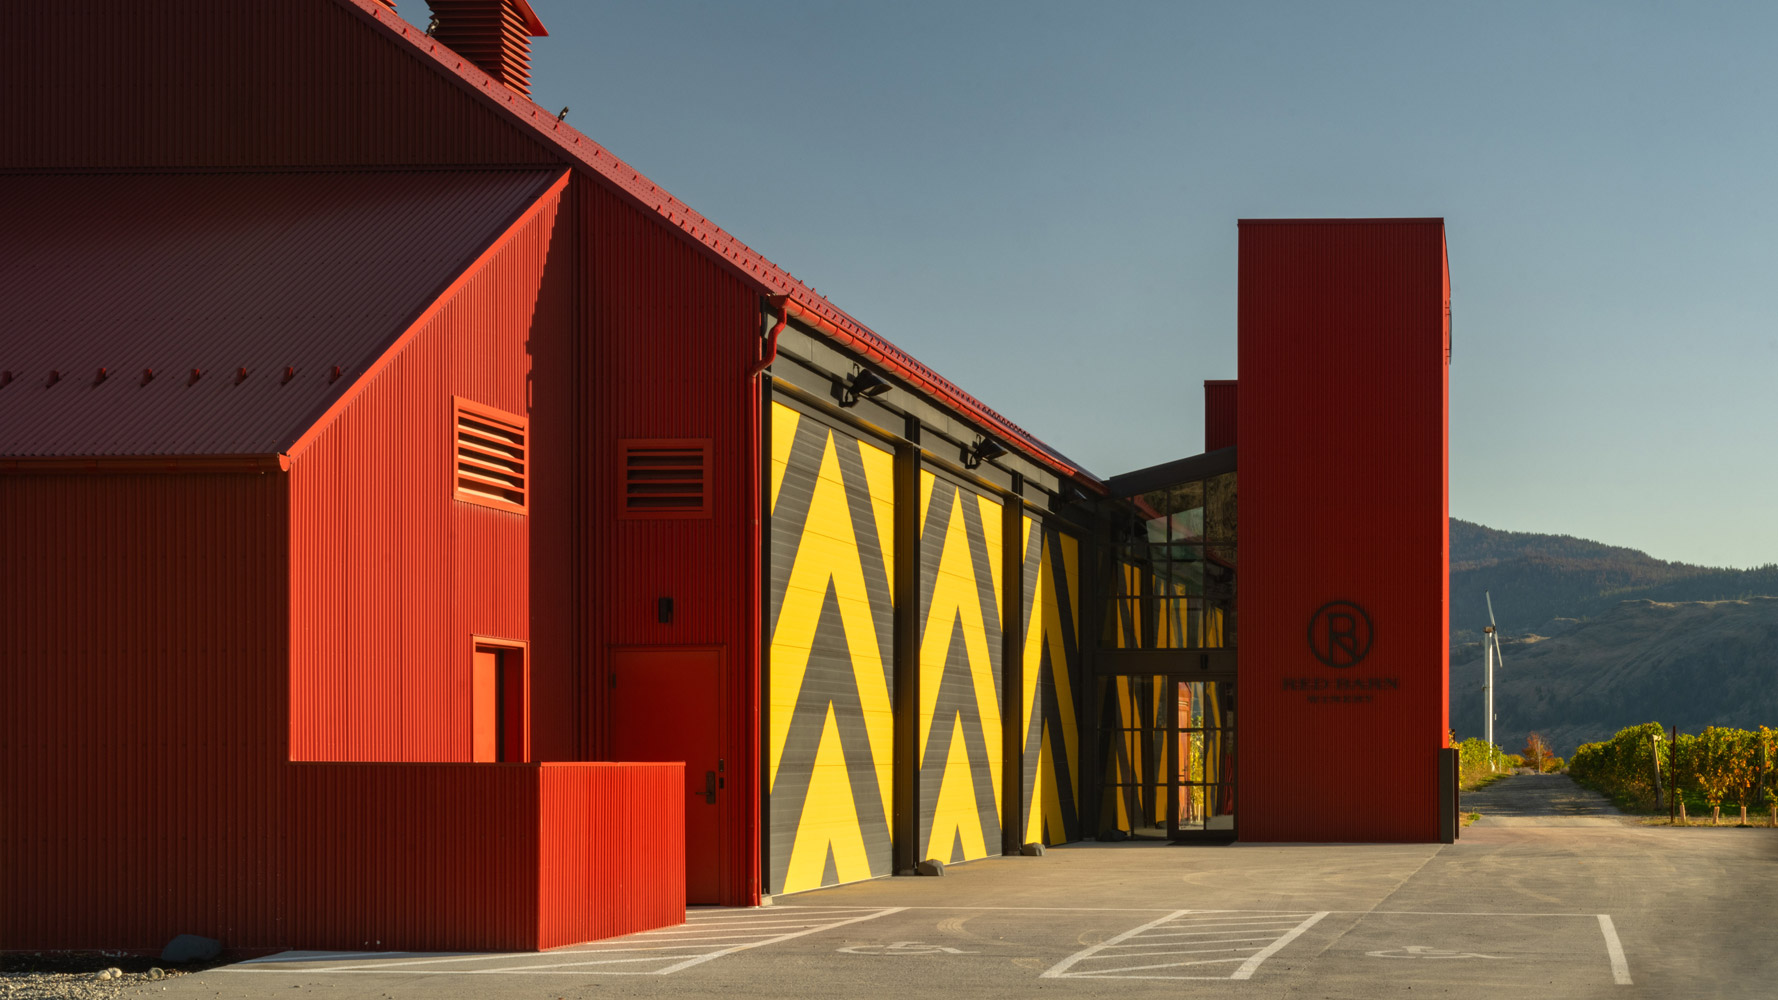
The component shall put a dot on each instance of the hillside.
(1598, 637)
(1538, 578)
(1693, 665)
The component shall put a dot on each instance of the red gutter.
(771, 351)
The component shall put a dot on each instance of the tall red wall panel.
(391, 577)
(669, 335)
(141, 706)
(1219, 414)
(1343, 424)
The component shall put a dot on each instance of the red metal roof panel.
(204, 314)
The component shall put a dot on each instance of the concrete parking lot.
(1559, 901)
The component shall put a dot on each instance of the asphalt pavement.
(1551, 893)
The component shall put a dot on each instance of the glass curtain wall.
(1167, 740)
(1173, 573)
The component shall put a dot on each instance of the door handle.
(710, 787)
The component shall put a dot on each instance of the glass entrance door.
(1202, 760)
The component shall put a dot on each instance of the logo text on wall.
(1340, 634)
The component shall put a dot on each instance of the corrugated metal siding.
(141, 707)
(390, 576)
(611, 852)
(222, 83)
(668, 336)
(424, 857)
(1219, 414)
(1344, 395)
(262, 272)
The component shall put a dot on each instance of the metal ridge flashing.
(769, 277)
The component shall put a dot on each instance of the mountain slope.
(1687, 664)
(1537, 578)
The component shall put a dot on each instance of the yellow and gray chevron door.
(831, 643)
(1051, 650)
(960, 663)
(829, 620)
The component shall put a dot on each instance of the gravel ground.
(77, 975)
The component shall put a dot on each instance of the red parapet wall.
(1343, 426)
(611, 850)
(481, 857)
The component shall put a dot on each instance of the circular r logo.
(1340, 634)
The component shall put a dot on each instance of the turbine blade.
(1490, 599)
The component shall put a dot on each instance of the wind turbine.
(1490, 652)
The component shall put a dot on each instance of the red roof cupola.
(494, 34)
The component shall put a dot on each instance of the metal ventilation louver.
(665, 477)
(490, 460)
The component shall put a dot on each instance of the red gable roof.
(172, 273)
(770, 277)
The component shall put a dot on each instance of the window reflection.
(1171, 571)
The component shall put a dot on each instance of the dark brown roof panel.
(215, 273)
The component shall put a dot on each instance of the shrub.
(1621, 767)
(1718, 765)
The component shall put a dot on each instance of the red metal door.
(665, 706)
(484, 701)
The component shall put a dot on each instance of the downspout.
(771, 350)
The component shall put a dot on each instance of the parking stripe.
(1188, 938)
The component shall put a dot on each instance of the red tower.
(1344, 431)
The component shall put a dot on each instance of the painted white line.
(1056, 971)
(1229, 920)
(1246, 970)
(769, 912)
(1112, 973)
(1174, 951)
(1241, 928)
(325, 956)
(1620, 967)
(669, 970)
(646, 946)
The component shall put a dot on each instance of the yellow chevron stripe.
(1032, 643)
(993, 531)
(1046, 813)
(956, 600)
(927, 481)
(956, 810)
(830, 818)
(784, 421)
(1061, 670)
(828, 550)
(879, 478)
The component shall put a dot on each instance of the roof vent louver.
(489, 464)
(664, 477)
(494, 34)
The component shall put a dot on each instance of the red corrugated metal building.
(425, 532)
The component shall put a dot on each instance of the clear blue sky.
(1039, 200)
